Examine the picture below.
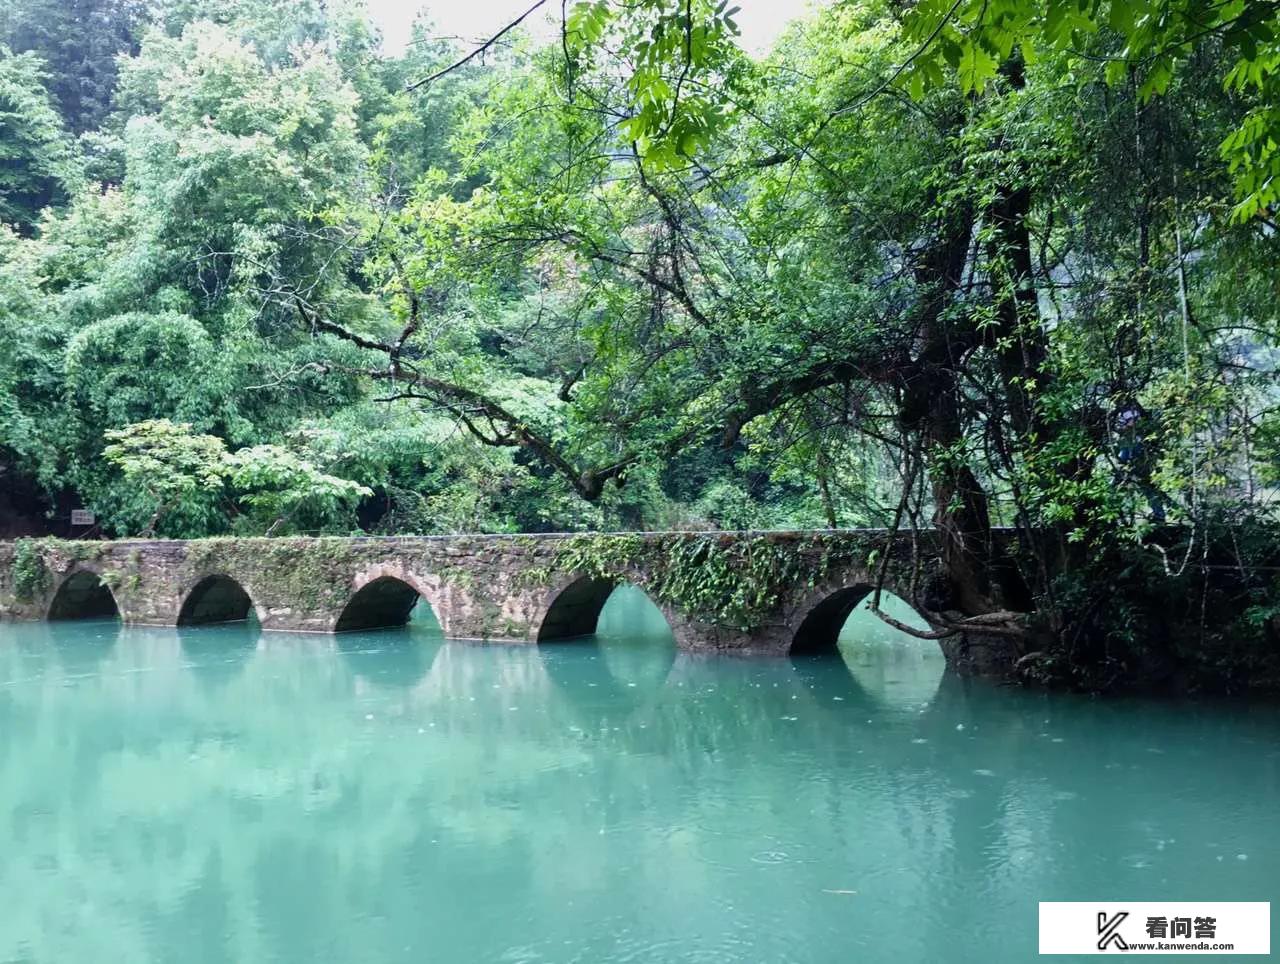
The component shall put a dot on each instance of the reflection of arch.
(217, 653)
(586, 676)
(576, 610)
(392, 659)
(625, 657)
(79, 649)
(820, 629)
(841, 644)
(215, 599)
(83, 595)
(904, 676)
(381, 603)
(826, 677)
(889, 678)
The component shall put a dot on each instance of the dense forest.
(980, 266)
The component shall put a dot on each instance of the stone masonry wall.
(518, 588)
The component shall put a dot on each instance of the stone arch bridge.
(766, 593)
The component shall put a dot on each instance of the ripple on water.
(769, 857)
(708, 826)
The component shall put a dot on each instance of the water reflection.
(390, 797)
(399, 656)
(217, 653)
(609, 675)
(827, 680)
(81, 646)
(904, 676)
(394, 659)
(883, 663)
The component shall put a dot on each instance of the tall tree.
(79, 40)
(36, 161)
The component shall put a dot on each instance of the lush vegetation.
(951, 263)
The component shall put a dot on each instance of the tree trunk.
(932, 406)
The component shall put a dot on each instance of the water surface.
(220, 794)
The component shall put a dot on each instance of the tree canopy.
(961, 264)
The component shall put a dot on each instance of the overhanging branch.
(425, 81)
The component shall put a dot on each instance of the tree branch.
(477, 52)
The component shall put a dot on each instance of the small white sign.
(82, 517)
(1155, 927)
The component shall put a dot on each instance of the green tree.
(1150, 42)
(286, 492)
(167, 470)
(36, 161)
(181, 481)
(79, 40)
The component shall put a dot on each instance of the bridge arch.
(575, 610)
(381, 601)
(883, 667)
(216, 598)
(83, 594)
(822, 620)
(825, 613)
(623, 653)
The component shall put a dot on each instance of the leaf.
(976, 68)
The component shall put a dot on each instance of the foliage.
(129, 367)
(1153, 621)
(734, 582)
(1146, 42)
(681, 51)
(168, 466)
(30, 575)
(79, 40)
(280, 487)
(961, 265)
(35, 156)
(183, 477)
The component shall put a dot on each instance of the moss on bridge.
(721, 591)
(729, 579)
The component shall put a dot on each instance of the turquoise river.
(226, 795)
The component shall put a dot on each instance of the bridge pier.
(522, 589)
